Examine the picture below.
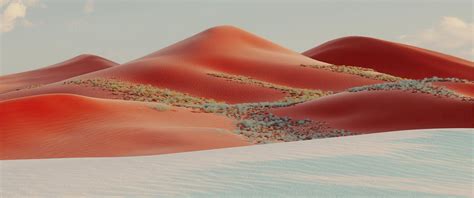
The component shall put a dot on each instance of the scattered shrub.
(417, 86)
(162, 107)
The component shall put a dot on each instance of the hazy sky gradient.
(51, 31)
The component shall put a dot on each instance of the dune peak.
(222, 39)
(224, 30)
(87, 58)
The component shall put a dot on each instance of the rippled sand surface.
(417, 163)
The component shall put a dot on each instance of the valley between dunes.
(225, 87)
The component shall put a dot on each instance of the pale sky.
(38, 33)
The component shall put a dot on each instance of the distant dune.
(73, 67)
(391, 58)
(57, 126)
(380, 111)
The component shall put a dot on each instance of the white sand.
(421, 163)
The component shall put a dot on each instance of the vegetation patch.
(294, 95)
(161, 107)
(359, 71)
(438, 79)
(254, 121)
(30, 87)
(140, 92)
(418, 86)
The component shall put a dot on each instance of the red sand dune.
(54, 126)
(391, 58)
(184, 67)
(379, 111)
(73, 67)
(230, 50)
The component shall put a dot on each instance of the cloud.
(13, 13)
(450, 35)
(3, 2)
(31, 3)
(89, 6)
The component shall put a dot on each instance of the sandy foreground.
(416, 163)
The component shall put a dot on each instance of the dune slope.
(379, 111)
(73, 67)
(391, 58)
(61, 125)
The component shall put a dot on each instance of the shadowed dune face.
(379, 111)
(73, 67)
(55, 126)
(391, 58)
